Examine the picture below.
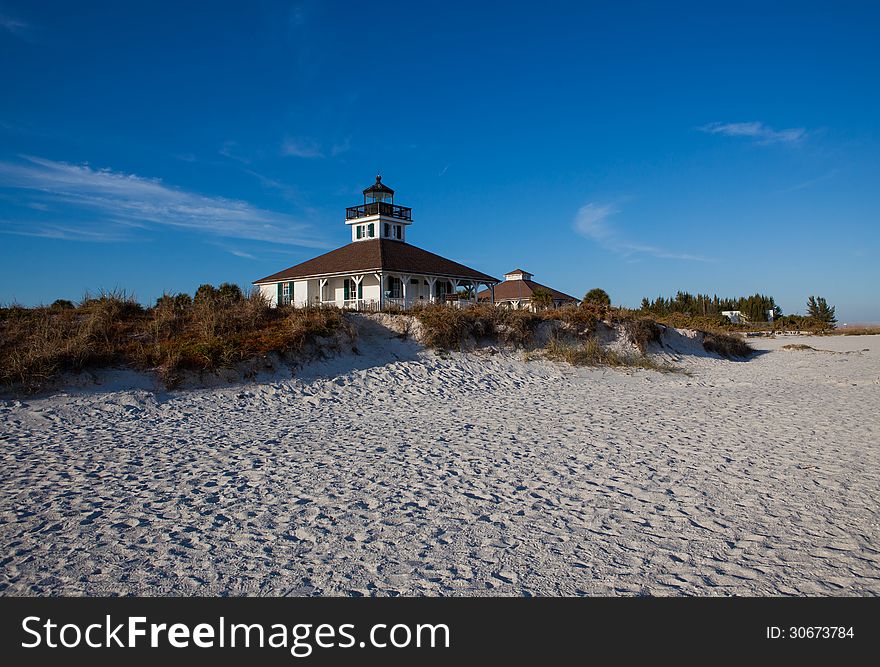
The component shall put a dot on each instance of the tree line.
(755, 307)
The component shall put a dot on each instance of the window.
(360, 231)
(394, 287)
(398, 232)
(387, 231)
(348, 289)
(284, 293)
(371, 228)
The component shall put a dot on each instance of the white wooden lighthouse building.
(378, 269)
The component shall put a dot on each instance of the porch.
(388, 290)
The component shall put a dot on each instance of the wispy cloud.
(102, 203)
(813, 181)
(12, 24)
(757, 131)
(592, 222)
(305, 148)
(341, 147)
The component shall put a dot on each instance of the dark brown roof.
(522, 289)
(379, 255)
(515, 271)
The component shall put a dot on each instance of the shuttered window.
(348, 289)
(371, 228)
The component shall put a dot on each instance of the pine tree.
(819, 310)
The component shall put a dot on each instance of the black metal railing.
(378, 208)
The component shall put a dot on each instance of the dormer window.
(397, 232)
(387, 231)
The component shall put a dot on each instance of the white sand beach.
(405, 472)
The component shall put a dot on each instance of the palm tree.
(542, 299)
(597, 296)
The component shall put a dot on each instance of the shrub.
(642, 331)
(584, 318)
(725, 344)
(229, 292)
(448, 328)
(597, 297)
(204, 293)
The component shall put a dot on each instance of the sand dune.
(403, 472)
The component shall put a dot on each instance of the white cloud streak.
(758, 131)
(304, 148)
(13, 25)
(113, 203)
(592, 222)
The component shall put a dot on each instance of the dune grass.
(212, 331)
(449, 329)
(221, 327)
(726, 345)
(855, 331)
(593, 353)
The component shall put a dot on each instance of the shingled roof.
(378, 255)
(522, 289)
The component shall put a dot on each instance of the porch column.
(431, 282)
(404, 286)
(492, 293)
(322, 285)
(381, 278)
(357, 280)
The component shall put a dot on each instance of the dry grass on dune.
(220, 327)
(593, 353)
(855, 331)
(448, 328)
(217, 329)
(725, 344)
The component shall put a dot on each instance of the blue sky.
(641, 147)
